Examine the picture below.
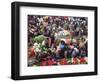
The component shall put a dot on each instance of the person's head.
(49, 51)
(62, 42)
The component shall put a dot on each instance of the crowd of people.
(57, 40)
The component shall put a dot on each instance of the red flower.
(43, 63)
(32, 52)
(50, 62)
(75, 61)
(82, 60)
(63, 61)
